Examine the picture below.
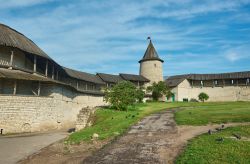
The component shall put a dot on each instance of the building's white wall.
(175, 92)
(227, 93)
(152, 70)
(59, 110)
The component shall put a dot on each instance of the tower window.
(155, 65)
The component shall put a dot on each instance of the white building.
(219, 87)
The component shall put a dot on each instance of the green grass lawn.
(110, 123)
(205, 113)
(205, 148)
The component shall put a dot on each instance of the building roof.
(83, 76)
(109, 78)
(131, 77)
(12, 38)
(150, 53)
(231, 75)
(173, 81)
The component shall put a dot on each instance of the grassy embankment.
(206, 149)
(215, 113)
(110, 123)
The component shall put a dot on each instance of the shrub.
(122, 95)
(140, 95)
(158, 90)
(203, 96)
(193, 100)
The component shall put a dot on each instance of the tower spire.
(150, 53)
(149, 38)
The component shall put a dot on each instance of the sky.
(110, 36)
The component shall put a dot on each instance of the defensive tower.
(151, 64)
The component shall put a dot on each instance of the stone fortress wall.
(226, 93)
(57, 111)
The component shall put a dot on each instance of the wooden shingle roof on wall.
(231, 75)
(12, 38)
(109, 78)
(132, 77)
(174, 81)
(83, 76)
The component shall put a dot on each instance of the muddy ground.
(155, 139)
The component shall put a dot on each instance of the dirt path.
(155, 139)
(16, 147)
(144, 143)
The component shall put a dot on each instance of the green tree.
(203, 96)
(140, 95)
(158, 90)
(121, 95)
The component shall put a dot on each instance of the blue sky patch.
(192, 36)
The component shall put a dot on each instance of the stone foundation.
(56, 111)
(83, 118)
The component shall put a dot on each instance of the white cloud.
(232, 56)
(237, 53)
(189, 9)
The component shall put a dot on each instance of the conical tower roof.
(150, 53)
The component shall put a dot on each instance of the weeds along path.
(155, 139)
